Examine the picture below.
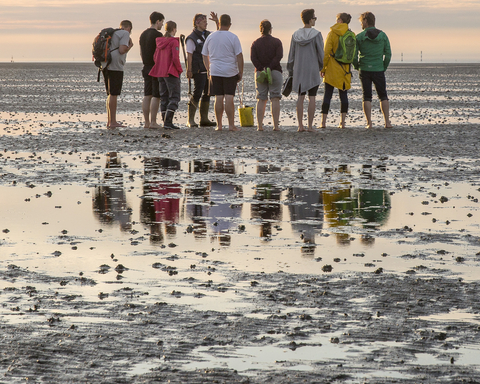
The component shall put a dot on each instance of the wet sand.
(410, 324)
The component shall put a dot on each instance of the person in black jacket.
(196, 70)
(151, 99)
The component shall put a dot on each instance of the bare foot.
(300, 129)
(146, 125)
(369, 126)
(310, 129)
(322, 127)
(154, 126)
(259, 129)
(388, 125)
(233, 129)
(276, 129)
(341, 125)
(116, 125)
(219, 128)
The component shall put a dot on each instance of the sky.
(441, 31)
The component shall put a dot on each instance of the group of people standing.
(214, 61)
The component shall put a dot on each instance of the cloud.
(415, 4)
(69, 3)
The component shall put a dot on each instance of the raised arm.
(214, 18)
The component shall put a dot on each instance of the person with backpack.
(374, 55)
(168, 69)
(305, 60)
(339, 53)
(121, 43)
(151, 98)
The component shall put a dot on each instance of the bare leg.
(109, 120)
(154, 106)
(385, 107)
(146, 110)
(112, 112)
(324, 120)
(275, 108)
(311, 112)
(219, 111)
(230, 111)
(300, 112)
(367, 110)
(343, 115)
(261, 105)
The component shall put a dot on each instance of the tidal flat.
(193, 256)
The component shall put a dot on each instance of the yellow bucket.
(246, 116)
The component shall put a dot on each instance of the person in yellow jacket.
(335, 74)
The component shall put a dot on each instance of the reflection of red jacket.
(167, 208)
(167, 58)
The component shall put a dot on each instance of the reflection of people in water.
(344, 205)
(197, 197)
(268, 210)
(222, 211)
(373, 206)
(110, 202)
(338, 211)
(160, 203)
(338, 205)
(306, 215)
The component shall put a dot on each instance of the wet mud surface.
(136, 309)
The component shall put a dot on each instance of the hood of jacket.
(339, 28)
(303, 36)
(371, 33)
(166, 42)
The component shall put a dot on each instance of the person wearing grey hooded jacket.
(305, 61)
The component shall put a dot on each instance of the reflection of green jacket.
(372, 205)
(374, 51)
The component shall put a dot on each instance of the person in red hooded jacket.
(168, 69)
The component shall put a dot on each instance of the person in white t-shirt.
(113, 74)
(223, 58)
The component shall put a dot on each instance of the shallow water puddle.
(248, 360)
(164, 220)
(462, 356)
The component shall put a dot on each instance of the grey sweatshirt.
(305, 59)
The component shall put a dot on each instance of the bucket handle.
(240, 96)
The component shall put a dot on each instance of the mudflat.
(139, 256)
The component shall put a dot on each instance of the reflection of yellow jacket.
(336, 74)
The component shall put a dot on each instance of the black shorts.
(378, 79)
(150, 87)
(311, 92)
(113, 82)
(220, 86)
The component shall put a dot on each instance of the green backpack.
(346, 48)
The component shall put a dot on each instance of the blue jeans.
(327, 97)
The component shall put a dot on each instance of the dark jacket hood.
(372, 33)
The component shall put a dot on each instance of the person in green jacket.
(372, 61)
